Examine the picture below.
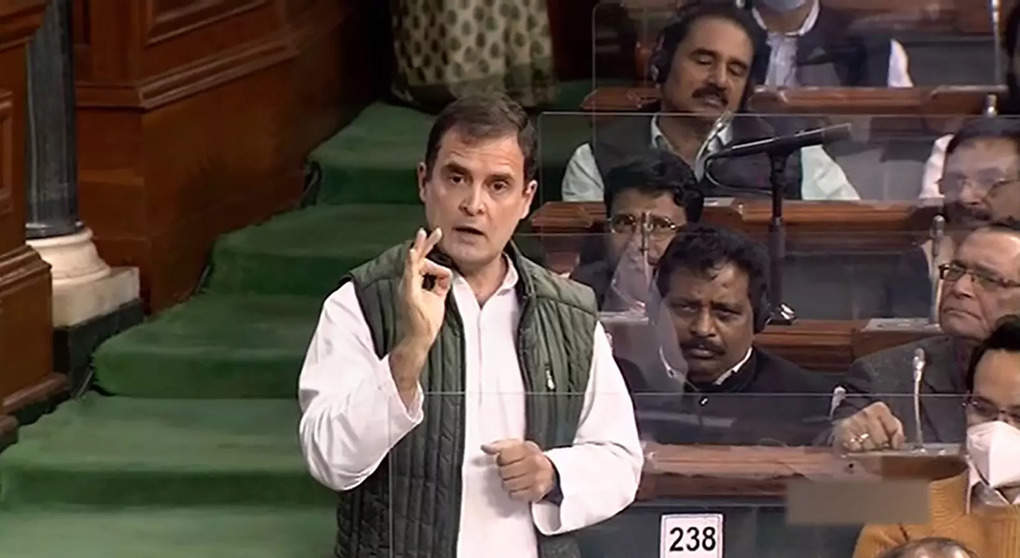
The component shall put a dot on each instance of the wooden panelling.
(570, 25)
(209, 128)
(6, 156)
(26, 333)
(25, 325)
(168, 18)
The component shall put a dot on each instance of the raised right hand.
(872, 428)
(421, 309)
(420, 313)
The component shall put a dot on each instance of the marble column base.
(84, 287)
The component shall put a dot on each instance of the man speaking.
(463, 398)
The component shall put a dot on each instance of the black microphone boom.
(785, 144)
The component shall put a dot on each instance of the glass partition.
(704, 488)
(883, 158)
(881, 279)
(851, 43)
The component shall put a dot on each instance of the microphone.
(785, 144)
(718, 126)
(938, 233)
(918, 365)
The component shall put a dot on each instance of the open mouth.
(469, 231)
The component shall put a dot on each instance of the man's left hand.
(528, 475)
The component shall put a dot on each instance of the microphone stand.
(782, 314)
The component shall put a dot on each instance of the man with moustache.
(702, 65)
(980, 184)
(980, 285)
(647, 200)
(712, 285)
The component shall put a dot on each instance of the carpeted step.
(373, 159)
(207, 532)
(213, 346)
(114, 452)
(307, 252)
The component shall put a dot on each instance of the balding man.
(980, 285)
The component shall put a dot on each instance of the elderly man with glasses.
(979, 286)
(979, 505)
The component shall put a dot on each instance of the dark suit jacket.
(769, 401)
(888, 376)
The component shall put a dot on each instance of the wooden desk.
(731, 471)
(811, 226)
(752, 216)
(747, 471)
(941, 100)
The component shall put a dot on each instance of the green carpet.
(307, 252)
(373, 159)
(113, 452)
(210, 532)
(213, 346)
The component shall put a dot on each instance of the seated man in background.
(981, 184)
(980, 285)
(979, 506)
(702, 66)
(647, 200)
(720, 388)
(811, 45)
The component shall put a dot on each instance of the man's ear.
(529, 194)
(423, 175)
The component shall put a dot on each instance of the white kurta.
(353, 415)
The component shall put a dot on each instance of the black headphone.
(661, 59)
(762, 311)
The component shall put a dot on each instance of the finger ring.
(863, 437)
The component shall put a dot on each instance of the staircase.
(189, 448)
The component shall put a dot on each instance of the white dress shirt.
(934, 167)
(782, 70)
(353, 415)
(821, 177)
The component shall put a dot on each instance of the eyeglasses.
(955, 272)
(987, 411)
(986, 184)
(650, 224)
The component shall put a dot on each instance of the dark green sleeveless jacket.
(410, 507)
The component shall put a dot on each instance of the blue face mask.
(784, 5)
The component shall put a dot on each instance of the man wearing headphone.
(703, 66)
(710, 299)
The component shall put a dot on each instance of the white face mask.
(994, 448)
(784, 5)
